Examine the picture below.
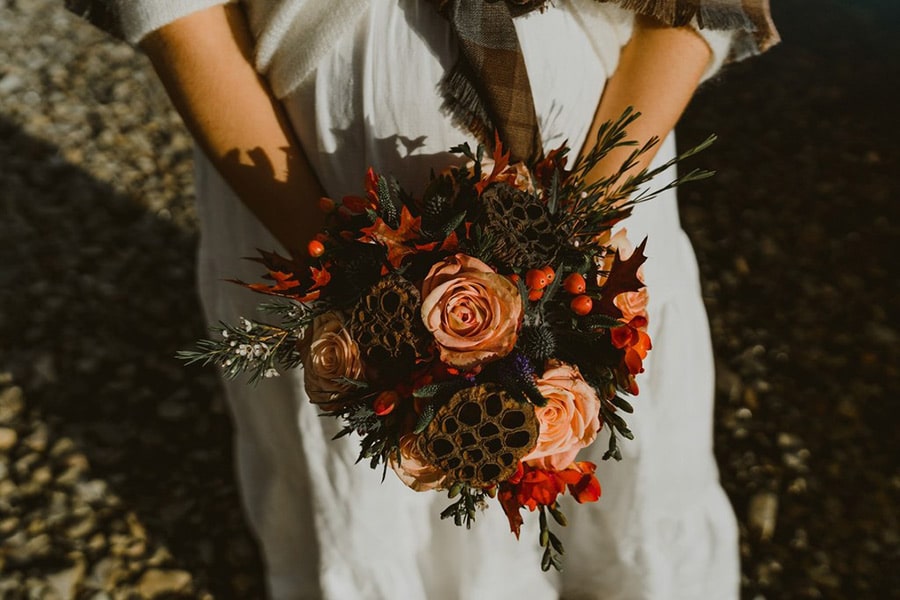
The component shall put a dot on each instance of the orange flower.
(331, 356)
(568, 422)
(532, 487)
(412, 468)
(632, 338)
(472, 312)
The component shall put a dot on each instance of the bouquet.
(475, 337)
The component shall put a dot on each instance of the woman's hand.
(659, 69)
(205, 62)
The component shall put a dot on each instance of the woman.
(290, 100)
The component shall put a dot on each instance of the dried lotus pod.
(524, 234)
(386, 324)
(479, 436)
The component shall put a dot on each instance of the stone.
(156, 582)
(11, 404)
(92, 491)
(8, 439)
(762, 514)
(37, 440)
(65, 583)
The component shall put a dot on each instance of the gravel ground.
(115, 461)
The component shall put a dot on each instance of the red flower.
(632, 338)
(531, 487)
(581, 481)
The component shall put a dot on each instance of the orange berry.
(581, 305)
(386, 402)
(315, 248)
(514, 278)
(326, 205)
(535, 295)
(536, 279)
(549, 272)
(575, 284)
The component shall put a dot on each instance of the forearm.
(204, 61)
(659, 69)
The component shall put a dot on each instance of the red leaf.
(622, 277)
(507, 498)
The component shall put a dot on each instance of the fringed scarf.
(488, 90)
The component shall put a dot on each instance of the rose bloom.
(472, 312)
(632, 304)
(618, 242)
(413, 470)
(568, 422)
(332, 354)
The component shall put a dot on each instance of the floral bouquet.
(475, 337)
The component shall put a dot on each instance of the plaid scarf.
(488, 91)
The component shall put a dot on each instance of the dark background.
(115, 467)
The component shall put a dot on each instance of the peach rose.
(332, 354)
(632, 304)
(618, 242)
(569, 421)
(413, 470)
(472, 312)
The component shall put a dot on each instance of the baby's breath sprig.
(259, 349)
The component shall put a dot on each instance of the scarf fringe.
(464, 104)
(682, 12)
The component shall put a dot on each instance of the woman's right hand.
(205, 62)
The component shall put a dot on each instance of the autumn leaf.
(501, 161)
(320, 277)
(395, 240)
(623, 277)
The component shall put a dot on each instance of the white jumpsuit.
(330, 528)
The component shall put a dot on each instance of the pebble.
(65, 583)
(156, 582)
(11, 404)
(8, 439)
(762, 514)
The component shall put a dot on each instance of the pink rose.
(569, 421)
(472, 312)
(632, 304)
(332, 355)
(413, 470)
(618, 242)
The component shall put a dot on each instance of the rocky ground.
(115, 464)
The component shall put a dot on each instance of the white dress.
(330, 528)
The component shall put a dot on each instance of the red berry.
(536, 279)
(549, 272)
(581, 305)
(514, 278)
(315, 248)
(386, 402)
(535, 295)
(575, 284)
